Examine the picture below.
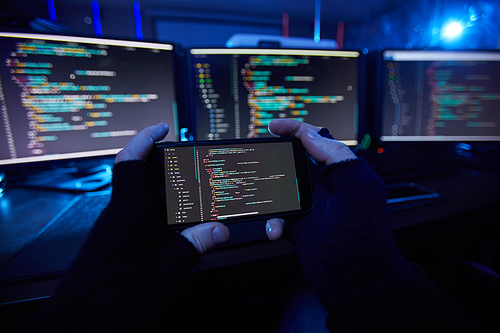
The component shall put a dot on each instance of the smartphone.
(232, 181)
(408, 192)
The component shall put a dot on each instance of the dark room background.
(356, 24)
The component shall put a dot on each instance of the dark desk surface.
(26, 213)
(461, 190)
(23, 215)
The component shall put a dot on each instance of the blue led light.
(96, 18)
(137, 20)
(317, 21)
(52, 10)
(453, 29)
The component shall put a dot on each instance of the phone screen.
(234, 181)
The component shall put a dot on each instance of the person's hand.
(323, 150)
(345, 245)
(140, 145)
(205, 237)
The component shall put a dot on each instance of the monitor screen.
(430, 96)
(235, 93)
(68, 97)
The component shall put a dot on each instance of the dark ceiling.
(334, 10)
(331, 10)
(368, 23)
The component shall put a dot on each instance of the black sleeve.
(349, 257)
(127, 270)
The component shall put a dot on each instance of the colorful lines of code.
(229, 184)
(180, 182)
(461, 100)
(56, 49)
(400, 117)
(45, 99)
(268, 102)
(442, 100)
(205, 183)
(65, 97)
(209, 98)
(236, 95)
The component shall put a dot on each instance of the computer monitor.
(235, 93)
(439, 96)
(66, 97)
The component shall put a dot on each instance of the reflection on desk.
(57, 244)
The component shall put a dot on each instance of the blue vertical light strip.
(52, 10)
(176, 119)
(297, 184)
(96, 17)
(195, 163)
(137, 20)
(317, 21)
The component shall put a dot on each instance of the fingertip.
(270, 131)
(207, 236)
(325, 150)
(284, 127)
(163, 125)
(221, 234)
(272, 124)
(312, 133)
(162, 130)
(275, 229)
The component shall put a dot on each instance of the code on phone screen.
(212, 183)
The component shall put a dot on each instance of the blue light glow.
(453, 29)
(52, 10)
(137, 20)
(317, 21)
(96, 17)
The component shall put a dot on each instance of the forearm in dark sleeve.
(126, 272)
(349, 257)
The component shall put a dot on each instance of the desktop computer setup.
(69, 104)
(71, 101)
(431, 108)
